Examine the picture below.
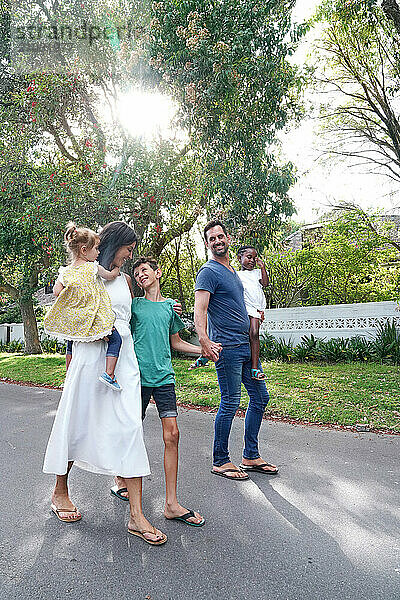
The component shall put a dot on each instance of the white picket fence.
(330, 321)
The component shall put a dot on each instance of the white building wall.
(330, 321)
(16, 332)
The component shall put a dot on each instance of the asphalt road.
(326, 528)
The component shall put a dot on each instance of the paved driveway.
(326, 528)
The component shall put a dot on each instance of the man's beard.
(220, 251)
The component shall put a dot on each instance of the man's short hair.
(214, 223)
(146, 260)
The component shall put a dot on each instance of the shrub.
(14, 346)
(384, 347)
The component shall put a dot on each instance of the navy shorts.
(164, 397)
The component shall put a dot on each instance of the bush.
(11, 314)
(385, 347)
(52, 346)
(14, 346)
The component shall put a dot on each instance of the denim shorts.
(164, 397)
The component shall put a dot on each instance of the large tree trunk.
(32, 341)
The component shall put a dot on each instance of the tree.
(359, 51)
(226, 64)
(354, 259)
(60, 159)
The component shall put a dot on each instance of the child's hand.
(115, 272)
(177, 308)
(260, 262)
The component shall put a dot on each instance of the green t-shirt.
(152, 323)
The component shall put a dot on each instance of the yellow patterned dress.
(82, 311)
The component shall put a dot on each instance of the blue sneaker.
(110, 381)
(199, 362)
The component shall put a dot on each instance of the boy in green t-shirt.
(155, 328)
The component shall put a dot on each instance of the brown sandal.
(152, 542)
(57, 512)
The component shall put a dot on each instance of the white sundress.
(97, 428)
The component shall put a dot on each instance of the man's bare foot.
(65, 510)
(141, 526)
(230, 471)
(260, 465)
(176, 511)
(120, 482)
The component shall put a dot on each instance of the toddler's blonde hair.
(76, 237)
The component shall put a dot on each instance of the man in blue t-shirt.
(219, 300)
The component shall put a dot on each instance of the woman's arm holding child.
(58, 288)
(108, 275)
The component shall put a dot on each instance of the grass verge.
(341, 394)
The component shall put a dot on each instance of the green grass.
(343, 394)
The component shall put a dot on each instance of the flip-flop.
(151, 542)
(259, 468)
(116, 491)
(57, 512)
(185, 519)
(223, 474)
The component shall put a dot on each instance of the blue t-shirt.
(228, 321)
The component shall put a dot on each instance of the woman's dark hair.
(243, 249)
(112, 237)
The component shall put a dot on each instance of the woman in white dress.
(95, 428)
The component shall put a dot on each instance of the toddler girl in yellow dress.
(82, 311)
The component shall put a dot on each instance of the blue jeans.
(233, 368)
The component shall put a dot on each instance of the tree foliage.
(359, 52)
(65, 153)
(226, 64)
(352, 259)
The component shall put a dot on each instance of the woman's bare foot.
(230, 471)
(177, 510)
(142, 526)
(66, 510)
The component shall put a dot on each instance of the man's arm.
(181, 346)
(209, 349)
